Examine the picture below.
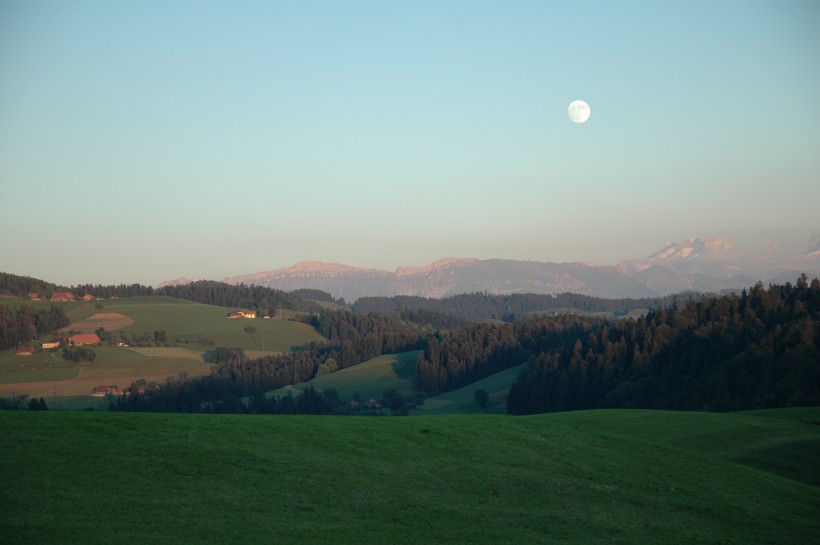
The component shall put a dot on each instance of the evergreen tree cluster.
(22, 286)
(483, 306)
(79, 355)
(18, 402)
(757, 350)
(262, 299)
(207, 292)
(316, 295)
(460, 357)
(22, 323)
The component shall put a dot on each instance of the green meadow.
(191, 328)
(463, 399)
(593, 477)
(370, 379)
(397, 372)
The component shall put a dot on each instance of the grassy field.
(371, 378)
(397, 371)
(614, 477)
(463, 399)
(191, 327)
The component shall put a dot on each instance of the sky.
(142, 141)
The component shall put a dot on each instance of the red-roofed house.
(102, 391)
(62, 297)
(25, 350)
(85, 338)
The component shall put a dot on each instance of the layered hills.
(711, 264)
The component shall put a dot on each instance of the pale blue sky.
(141, 141)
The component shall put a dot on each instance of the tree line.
(483, 306)
(22, 323)
(208, 292)
(18, 402)
(759, 349)
(21, 286)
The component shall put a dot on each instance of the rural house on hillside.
(62, 297)
(102, 391)
(25, 350)
(242, 314)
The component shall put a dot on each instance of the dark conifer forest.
(755, 350)
(482, 306)
(21, 323)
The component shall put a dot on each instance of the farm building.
(85, 338)
(242, 314)
(25, 350)
(102, 391)
(53, 343)
(62, 297)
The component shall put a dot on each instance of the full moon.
(578, 111)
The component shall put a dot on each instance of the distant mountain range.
(710, 265)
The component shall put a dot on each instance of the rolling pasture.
(192, 328)
(615, 477)
(397, 371)
(463, 399)
(371, 378)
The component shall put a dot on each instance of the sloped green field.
(191, 328)
(370, 379)
(615, 477)
(463, 399)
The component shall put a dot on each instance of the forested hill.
(204, 291)
(483, 306)
(227, 295)
(755, 350)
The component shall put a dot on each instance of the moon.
(578, 111)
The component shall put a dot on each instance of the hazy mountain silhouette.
(708, 265)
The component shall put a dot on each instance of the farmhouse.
(53, 343)
(102, 391)
(85, 338)
(88, 297)
(242, 314)
(62, 297)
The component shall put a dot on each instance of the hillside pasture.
(595, 477)
(113, 365)
(397, 371)
(370, 379)
(110, 321)
(463, 399)
(204, 326)
(191, 328)
(22, 373)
